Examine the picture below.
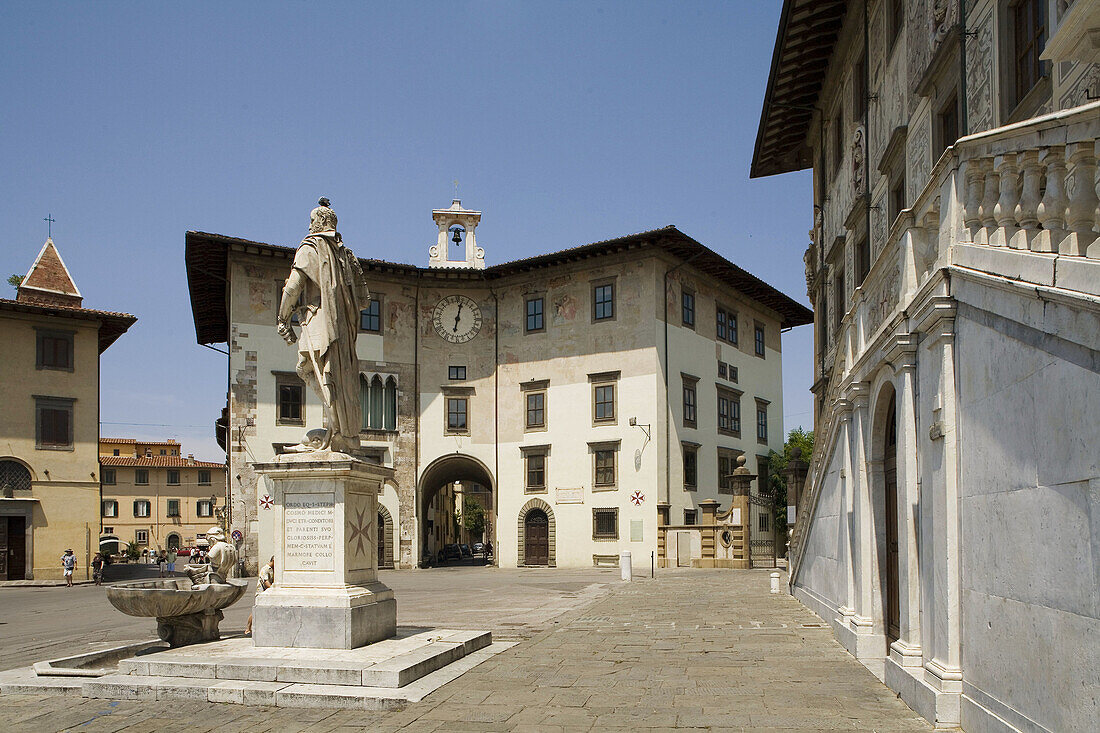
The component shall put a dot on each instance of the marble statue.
(327, 289)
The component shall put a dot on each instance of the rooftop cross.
(49, 225)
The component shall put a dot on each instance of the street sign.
(237, 535)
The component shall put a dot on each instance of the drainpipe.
(866, 96)
(417, 519)
(496, 422)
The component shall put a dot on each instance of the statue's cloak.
(334, 296)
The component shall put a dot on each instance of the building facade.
(947, 529)
(574, 388)
(49, 389)
(154, 499)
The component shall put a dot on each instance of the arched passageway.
(453, 487)
(537, 534)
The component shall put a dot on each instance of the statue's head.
(215, 534)
(323, 218)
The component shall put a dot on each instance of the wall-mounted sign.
(237, 535)
(570, 496)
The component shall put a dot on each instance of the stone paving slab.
(690, 650)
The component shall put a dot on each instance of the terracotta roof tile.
(157, 462)
(112, 324)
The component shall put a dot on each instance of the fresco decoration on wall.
(879, 226)
(979, 84)
(918, 50)
(883, 299)
(858, 157)
(565, 309)
(1076, 93)
(261, 297)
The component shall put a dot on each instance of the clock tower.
(456, 225)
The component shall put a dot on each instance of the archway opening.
(886, 452)
(455, 512)
(385, 538)
(536, 531)
(173, 542)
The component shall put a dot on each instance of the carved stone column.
(864, 619)
(936, 319)
(843, 411)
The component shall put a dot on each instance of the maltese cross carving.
(358, 532)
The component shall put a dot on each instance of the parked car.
(452, 552)
(466, 552)
(479, 548)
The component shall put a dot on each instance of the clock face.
(457, 319)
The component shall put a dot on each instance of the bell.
(457, 238)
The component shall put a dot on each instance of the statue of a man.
(327, 289)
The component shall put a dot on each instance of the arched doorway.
(173, 541)
(385, 538)
(448, 487)
(536, 538)
(884, 473)
(537, 535)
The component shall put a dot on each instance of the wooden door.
(536, 534)
(17, 548)
(890, 469)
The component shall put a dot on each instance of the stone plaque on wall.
(570, 496)
(309, 539)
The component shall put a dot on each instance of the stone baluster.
(972, 217)
(1004, 211)
(1081, 188)
(992, 189)
(1027, 207)
(1052, 209)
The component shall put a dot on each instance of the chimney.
(190, 459)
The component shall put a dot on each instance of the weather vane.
(49, 225)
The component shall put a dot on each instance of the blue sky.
(565, 123)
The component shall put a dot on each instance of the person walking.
(162, 560)
(265, 581)
(68, 563)
(97, 568)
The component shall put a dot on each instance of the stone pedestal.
(326, 594)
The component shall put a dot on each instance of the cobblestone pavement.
(689, 650)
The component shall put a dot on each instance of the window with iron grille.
(603, 302)
(535, 321)
(687, 308)
(605, 524)
(370, 318)
(457, 408)
(536, 409)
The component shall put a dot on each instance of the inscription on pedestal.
(309, 531)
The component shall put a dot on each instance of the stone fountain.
(188, 609)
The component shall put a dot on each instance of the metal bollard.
(775, 582)
(625, 566)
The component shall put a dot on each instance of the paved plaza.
(689, 650)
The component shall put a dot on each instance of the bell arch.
(538, 505)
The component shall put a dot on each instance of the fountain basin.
(168, 597)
